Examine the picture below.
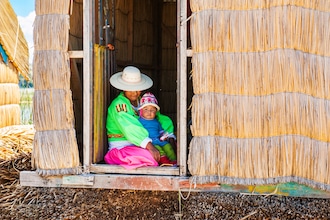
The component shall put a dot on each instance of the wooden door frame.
(88, 42)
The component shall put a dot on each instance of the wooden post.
(182, 85)
(88, 12)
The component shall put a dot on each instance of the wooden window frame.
(182, 55)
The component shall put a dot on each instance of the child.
(148, 112)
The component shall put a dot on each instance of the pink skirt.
(130, 157)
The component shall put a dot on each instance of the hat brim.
(117, 82)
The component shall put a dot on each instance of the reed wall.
(261, 74)
(55, 150)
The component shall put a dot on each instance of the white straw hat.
(131, 79)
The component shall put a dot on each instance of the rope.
(179, 216)
(190, 186)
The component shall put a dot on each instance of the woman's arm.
(153, 151)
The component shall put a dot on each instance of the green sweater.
(123, 124)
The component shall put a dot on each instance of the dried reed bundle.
(260, 113)
(54, 25)
(8, 73)
(53, 110)
(10, 115)
(261, 116)
(12, 38)
(9, 93)
(260, 160)
(15, 141)
(263, 73)
(55, 152)
(48, 74)
(43, 7)
(198, 5)
(284, 27)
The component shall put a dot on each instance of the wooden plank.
(158, 183)
(115, 181)
(105, 168)
(182, 86)
(82, 180)
(87, 71)
(290, 189)
(76, 54)
(189, 53)
(165, 183)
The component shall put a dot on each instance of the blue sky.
(22, 7)
(25, 12)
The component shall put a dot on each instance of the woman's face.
(132, 95)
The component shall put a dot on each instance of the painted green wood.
(283, 189)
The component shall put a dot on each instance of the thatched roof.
(12, 38)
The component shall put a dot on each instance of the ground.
(68, 203)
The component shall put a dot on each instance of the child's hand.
(164, 136)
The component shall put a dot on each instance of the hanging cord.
(191, 182)
(190, 187)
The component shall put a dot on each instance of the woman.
(129, 144)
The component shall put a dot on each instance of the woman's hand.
(154, 152)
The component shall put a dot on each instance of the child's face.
(148, 112)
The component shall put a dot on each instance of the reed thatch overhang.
(12, 39)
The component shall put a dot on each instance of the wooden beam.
(106, 168)
(290, 189)
(165, 183)
(114, 181)
(88, 44)
(189, 53)
(76, 54)
(182, 85)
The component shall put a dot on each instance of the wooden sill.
(164, 183)
(106, 168)
(105, 181)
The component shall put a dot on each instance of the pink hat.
(149, 99)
